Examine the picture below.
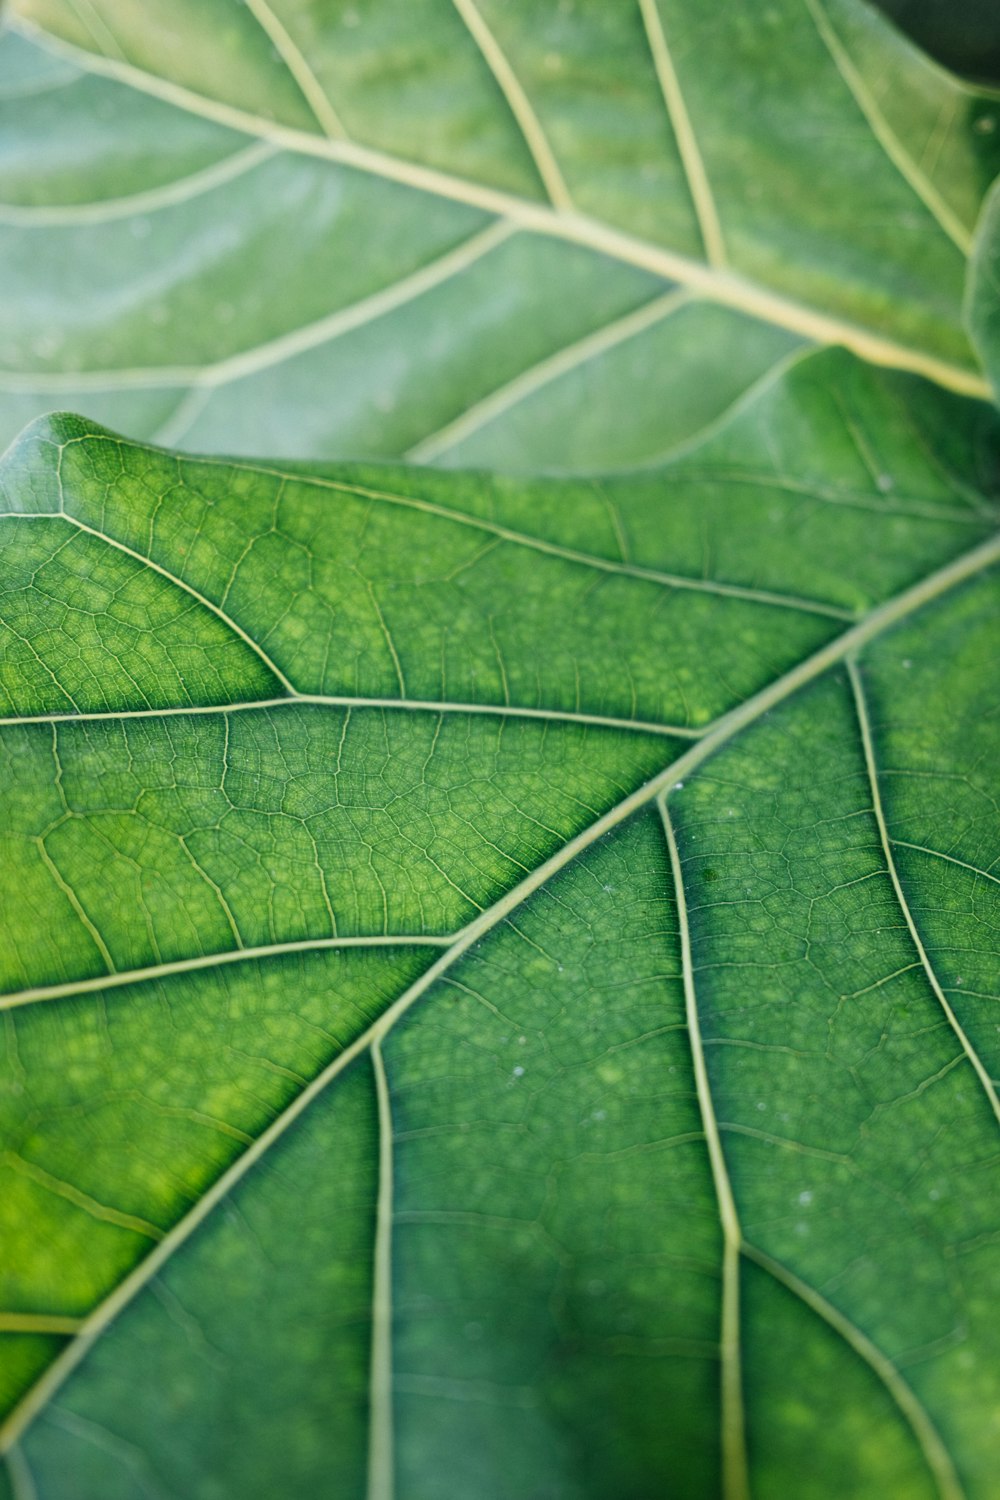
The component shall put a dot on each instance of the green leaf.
(445, 228)
(501, 975)
(983, 294)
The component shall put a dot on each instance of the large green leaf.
(501, 975)
(468, 230)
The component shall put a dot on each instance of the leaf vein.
(883, 132)
(547, 370)
(725, 288)
(519, 104)
(687, 142)
(935, 1454)
(298, 67)
(969, 1050)
(880, 620)
(735, 1474)
(381, 1464)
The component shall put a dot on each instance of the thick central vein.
(722, 286)
(852, 641)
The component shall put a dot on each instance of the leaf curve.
(552, 199)
(606, 1061)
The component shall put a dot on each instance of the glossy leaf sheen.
(501, 976)
(445, 228)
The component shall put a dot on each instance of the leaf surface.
(446, 228)
(983, 290)
(501, 975)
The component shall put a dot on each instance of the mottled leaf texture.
(445, 228)
(983, 292)
(500, 975)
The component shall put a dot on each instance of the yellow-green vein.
(864, 723)
(735, 1473)
(986, 555)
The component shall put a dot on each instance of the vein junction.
(843, 648)
(557, 218)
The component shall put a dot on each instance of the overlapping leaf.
(468, 230)
(501, 975)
